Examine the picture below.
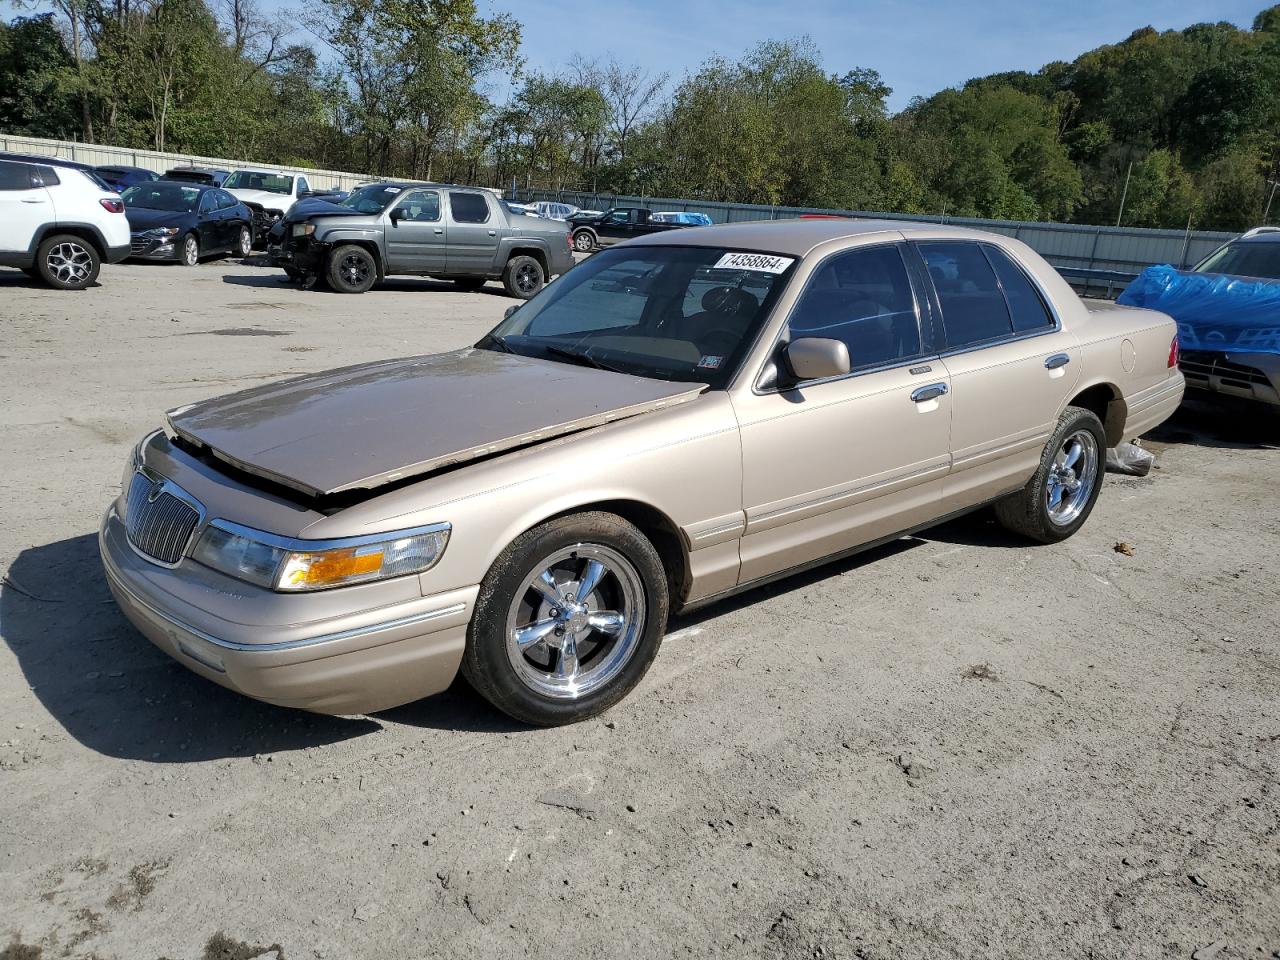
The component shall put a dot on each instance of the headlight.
(161, 232)
(303, 229)
(292, 566)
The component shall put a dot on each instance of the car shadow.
(18, 279)
(272, 280)
(1224, 422)
(115, 693)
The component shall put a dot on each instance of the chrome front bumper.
(357, 661)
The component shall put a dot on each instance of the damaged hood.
(264, 198)
(365, 426)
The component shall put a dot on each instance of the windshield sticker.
(761, 262)
(710, 363)
(390, 189)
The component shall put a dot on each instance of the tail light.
(568, 239)
(112, 206)
(1173, 352)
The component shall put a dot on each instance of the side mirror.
(396, 215)
(506, 315)
(816, 358)
(303, 194)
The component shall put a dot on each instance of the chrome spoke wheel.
(246, 242)
(70, 263)
(1072, 477)
(576, 621)
(191, 251)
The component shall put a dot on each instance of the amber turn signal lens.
(318, 569)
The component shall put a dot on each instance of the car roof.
(120, 166)
(795, 237)
(47, 161)
(1271, 236)
(186, 184)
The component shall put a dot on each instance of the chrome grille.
(137, 244)
(158, 524)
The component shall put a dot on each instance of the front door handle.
(1057, 360)
(439, 229)
(33, 200)
(931, 392)
(493, 233)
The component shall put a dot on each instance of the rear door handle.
(493, 233)
(1057, 360)
(33, 200)
(931, 392)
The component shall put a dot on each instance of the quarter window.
(422, 206)
(973, 307)
(468, 207)
(1025, 304)
(862, 298)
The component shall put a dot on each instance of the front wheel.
(523, 277)
(244, 244)
(1058, 499)
(568, 619)
(351, 269)
(189, 253)
(584, 241)
(67, 262)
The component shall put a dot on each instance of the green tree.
(37, 79)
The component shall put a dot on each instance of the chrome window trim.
(410, 620)
(1014, 336)
(175, 491)
(783, 330)
(299, 545)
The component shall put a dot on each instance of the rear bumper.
(116, 254)
(1152, 407)
(359, 662)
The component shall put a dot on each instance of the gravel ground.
(954, 746)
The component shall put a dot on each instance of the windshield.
(270, 182)
(1245, 259)
(687, 314)
(160, 195)
(371, 198)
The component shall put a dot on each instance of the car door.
(233, 217)
(1010, 363)
(25, 206)
(615, 226)
(832, 464)
(211, 230)
(473, 234)
(415, 234)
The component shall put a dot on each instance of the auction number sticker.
(760, 262)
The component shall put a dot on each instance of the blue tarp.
(1214, 312)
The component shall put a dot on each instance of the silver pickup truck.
(463, 234)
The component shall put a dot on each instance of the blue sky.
(918, 47)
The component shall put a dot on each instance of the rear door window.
(468, 207)
(1025, 303)
(16, 176)
(862, 298)
(974, 310)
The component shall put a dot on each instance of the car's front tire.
(1058, 499)
(189, 252)
(351, 269)
(584, 241)
(67, 262)
(568, 619)
(244, 244)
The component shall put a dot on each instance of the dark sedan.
(122, 178)
(186, 221)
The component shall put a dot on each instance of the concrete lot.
(956, 746)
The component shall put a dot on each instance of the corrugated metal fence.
(100, 155)
(1077, 250)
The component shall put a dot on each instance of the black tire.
(488, 661)
(523, 277)
(1028, 511)
(584, 241)
(189, 250)
(67, 262)
(351, 269)
(244, 241)
(470, 284)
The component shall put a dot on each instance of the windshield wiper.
(581, 358)
(493, 340)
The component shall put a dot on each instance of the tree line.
(1163, 129)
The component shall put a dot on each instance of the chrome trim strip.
(299, 545)
(286, 644)
(836, 500)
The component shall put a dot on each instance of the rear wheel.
(568, 619)
(1057, 501)
(67, 262)
(523, 277)
(351, 269)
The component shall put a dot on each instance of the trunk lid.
(362, 427)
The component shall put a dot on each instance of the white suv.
(58, 222)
